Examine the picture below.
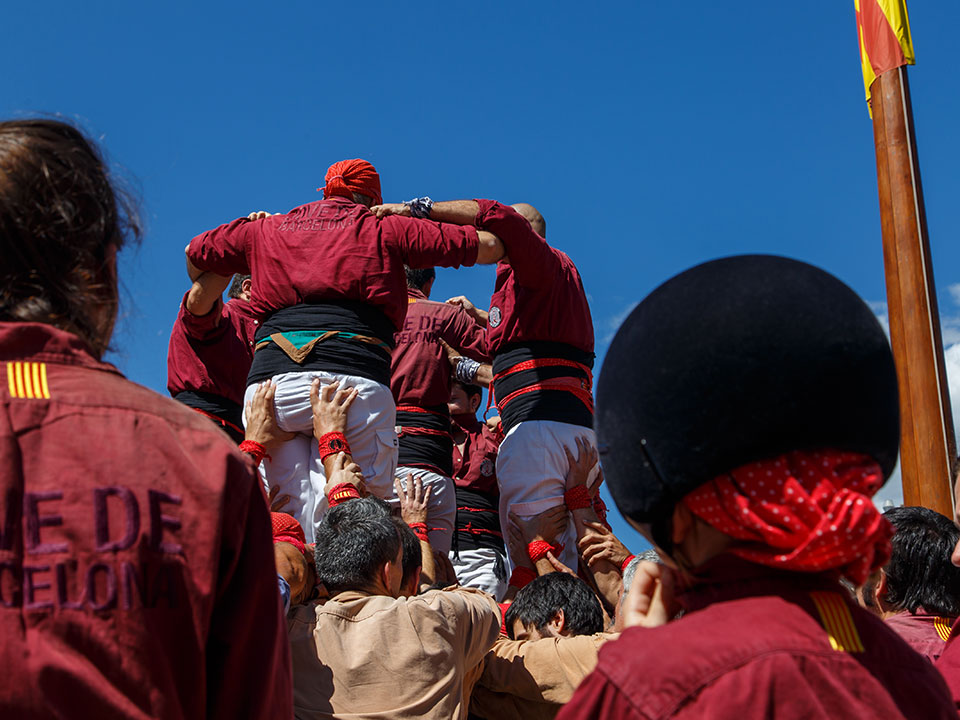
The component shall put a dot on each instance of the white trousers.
(532, 469)
(442, 509)
(476, 568)
(295, 466)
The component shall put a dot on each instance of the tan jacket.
(532, 679)
(372, 656)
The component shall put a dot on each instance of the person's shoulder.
(456, 600)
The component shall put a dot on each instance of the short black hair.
(920, 574)
(417, 278)
(469, 389)
(236, 287)
(354, 540)
(412, 555)
(538, 602)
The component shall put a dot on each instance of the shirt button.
(256, 322)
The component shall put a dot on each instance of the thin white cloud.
(613, 323)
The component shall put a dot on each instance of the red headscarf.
(804, 511)
(287, 529)
(353, 176)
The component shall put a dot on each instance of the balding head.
(533, 217)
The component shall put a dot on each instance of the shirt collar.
(44, 343)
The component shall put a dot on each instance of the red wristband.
(340, 493)
(521, 577)
(577, 498)
(258, 451)
(420, 530)
(537, 550)
(623, 565)
(331, 443)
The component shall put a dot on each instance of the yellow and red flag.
(885, 42)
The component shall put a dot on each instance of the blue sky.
(652, 136)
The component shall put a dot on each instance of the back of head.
(236, 286)
(737, 360)
(417, 278)
(919, 573)
(60, 224)
(412, 554)
(747, 361)
(538, 602)
(533, 217)
(354, 540)
(353, 178)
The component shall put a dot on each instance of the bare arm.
(413, 509)
(468, 307)
(206, 291)
(491, 250)
(330, 405)
(606, 573)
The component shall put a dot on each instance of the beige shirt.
(373, 656)
(532, 679)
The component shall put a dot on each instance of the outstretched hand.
(546, 526)
(259, 215)
(381, 211)
(599, 543)
(414, 499)
(261, 417)
(330, 406)
(582, 465)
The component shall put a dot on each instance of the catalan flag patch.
(837, 620)
(28, 380)
(943, 626)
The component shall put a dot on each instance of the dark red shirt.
(758, 645)
(137, 576)
(927, 634)
(949, 663)
(476, 467)
(538, 295)
(212, 353)
(331, 249)
(420, 372)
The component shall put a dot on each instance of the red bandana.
(287, 529)
(353, 176)
(803, 511)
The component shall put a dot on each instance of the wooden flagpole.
(927, 444)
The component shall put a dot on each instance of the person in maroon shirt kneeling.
(137, 577)
(746, 413)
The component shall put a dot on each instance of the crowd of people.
(323, 523)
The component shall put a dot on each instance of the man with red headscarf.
(746, 413)
(329, 286)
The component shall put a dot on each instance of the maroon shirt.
(949, 663)
(212, 353)
(420, 372)
(539, 295)
(927, 634)
(476, 467)
(755, 645)
(137, 576)
(332, 249)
